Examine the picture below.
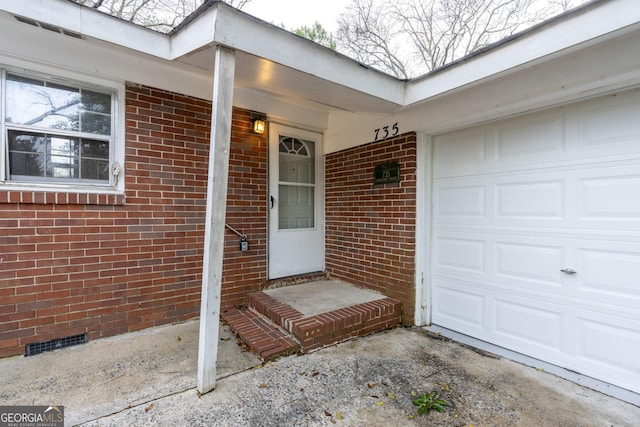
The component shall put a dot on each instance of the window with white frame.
(55, 132)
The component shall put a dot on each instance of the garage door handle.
(568, 271)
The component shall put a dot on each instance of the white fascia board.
(198, 34)
(243, 32)
(597, 20)
(90, 23)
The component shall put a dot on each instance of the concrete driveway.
(148, 378)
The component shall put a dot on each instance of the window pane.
(95, 159)
(36, 103)
(39, 103)
(95, 169)
(95, 123)
(295, 207)
(96, 101)
(96, 117)
(298, 164)
(26, 154)
(96, 149)
(63, 160)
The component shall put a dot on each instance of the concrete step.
(263, 337)
(315, 331)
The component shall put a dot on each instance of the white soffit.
(295, 52)
(598, 20)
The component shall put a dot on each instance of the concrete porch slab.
(323, 296)
(316, 314)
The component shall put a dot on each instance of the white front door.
(536, 236)
(296, 228)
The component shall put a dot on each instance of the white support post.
(224, 71)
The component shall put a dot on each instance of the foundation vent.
(41, 347)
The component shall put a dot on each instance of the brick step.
(314, 332)
(267, 340)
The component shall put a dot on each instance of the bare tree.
(410, 37)
(159, 15)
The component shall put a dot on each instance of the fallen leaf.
(265, 386)
(333, 421)
(390, 395)
(413, 393)
(339, 415)
(148, 408)
(303, 373)
(374, 385)
(379, 403)
(314, 373)
(179, 339)
(271, 363)
(444, 386)
(411, 416)
(327, 413)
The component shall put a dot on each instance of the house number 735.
(386, 131)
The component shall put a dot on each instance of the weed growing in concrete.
(428, 402)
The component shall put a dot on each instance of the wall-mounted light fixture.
(259, 126)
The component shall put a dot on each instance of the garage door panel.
(463, 255)
(605, 343)
(530, 326)
(462, 307)
(611, 198)
(460, 152)
(610, 347)
(524, 139)
(537, 264)
(610, 274)
(460, 201)
(532, 196)
(541, 199)
(610, 124)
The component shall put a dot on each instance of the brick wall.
(245, 272)
(370, 229)
(104, 264)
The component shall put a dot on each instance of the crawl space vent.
(41, 347)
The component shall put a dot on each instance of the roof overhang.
(275, 63)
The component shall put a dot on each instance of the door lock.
(244, 244)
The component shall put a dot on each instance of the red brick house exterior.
(103, 264)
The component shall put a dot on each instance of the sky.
(297, 13)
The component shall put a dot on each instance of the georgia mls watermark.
(31, 416)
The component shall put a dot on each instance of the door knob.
(568, 271)
(273, 200)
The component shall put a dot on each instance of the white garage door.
(536, 236)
